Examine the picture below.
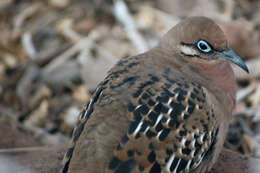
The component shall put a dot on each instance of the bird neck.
(221, 77)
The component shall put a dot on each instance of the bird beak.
(230, 55)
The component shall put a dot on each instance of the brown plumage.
(166, 110)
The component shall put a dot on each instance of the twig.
(241, 94)
(166, 19)
(24, 149)
(254, 70)
(106, 54)
(45, 137)
(122, 15)
(44, 57)
(248, 111)
(66, 55)
(24, 86)
(81, 44)
(19, 20)
(71, 34)
(28, 45)
(257, 115)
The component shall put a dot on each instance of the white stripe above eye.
(188, 50)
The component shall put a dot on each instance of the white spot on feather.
(169, 101)
(182, 115)
(183, 142)
(158, 119)
(138, 106)
(147, 128)
(188, 166)
(177, 166)
(186, 109)
(210, 133)
(169, 163)
(192, 153)
(159, 133)
(139, 126)
(201, 137)
(176, 95)
(169, 111)
(193, 143)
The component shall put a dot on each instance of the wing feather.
(172, 131)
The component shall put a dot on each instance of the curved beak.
(230, 55)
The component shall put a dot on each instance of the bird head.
(199, 40)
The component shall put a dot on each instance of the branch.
(122, 15)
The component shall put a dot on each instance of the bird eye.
(203, 46)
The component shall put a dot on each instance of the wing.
(82, 119)
(172, 129)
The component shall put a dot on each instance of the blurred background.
(54, 52)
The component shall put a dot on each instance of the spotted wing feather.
(172, 129)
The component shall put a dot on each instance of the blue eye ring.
(203, 46)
